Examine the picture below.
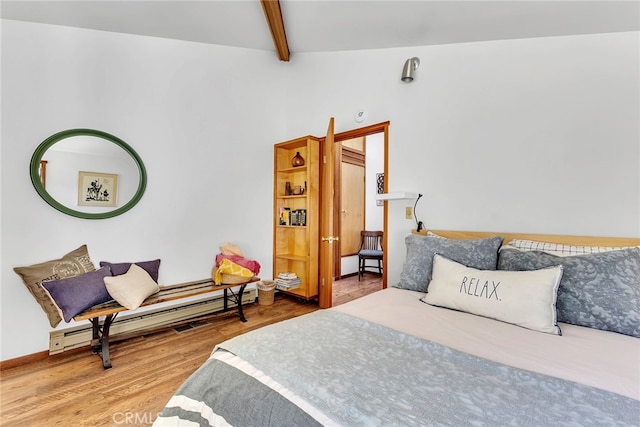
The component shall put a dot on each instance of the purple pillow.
(73, 295)
(119, 269)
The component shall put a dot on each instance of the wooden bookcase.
(296, 244)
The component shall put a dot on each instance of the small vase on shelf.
(297, 160)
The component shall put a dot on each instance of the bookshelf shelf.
(293, 257)
(303, 196)
(296, 216)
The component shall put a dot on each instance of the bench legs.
(100, 341)
(237, 298)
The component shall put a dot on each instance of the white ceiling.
(332, 25)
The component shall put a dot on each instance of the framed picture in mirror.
(97, 189)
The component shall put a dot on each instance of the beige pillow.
(72, 264)
(132, 288)
(230, 249)
(523, 298)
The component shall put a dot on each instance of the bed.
(482, 329)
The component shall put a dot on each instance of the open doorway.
(359, 170)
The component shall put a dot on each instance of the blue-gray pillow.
(600, 291)
(73, 295)
(118, 269)
(481, 254)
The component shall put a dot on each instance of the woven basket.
(231, 279)
(266, 292)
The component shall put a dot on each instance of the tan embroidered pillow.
(72, 264)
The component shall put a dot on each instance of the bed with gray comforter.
(332, 368)
(532, 333)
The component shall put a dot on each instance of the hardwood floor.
(72, 388)
(350, 288)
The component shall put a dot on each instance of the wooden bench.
(100, 338)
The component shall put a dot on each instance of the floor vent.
(191, 325)
(79, 336)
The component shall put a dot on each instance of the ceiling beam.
(273, 14)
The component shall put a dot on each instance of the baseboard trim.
(23, 360)
(46, 354)
(346, 276)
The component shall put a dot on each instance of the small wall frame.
(97, 189)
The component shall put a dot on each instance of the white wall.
(374, 217)
(204, 127)
(531, 135)
(534, 135)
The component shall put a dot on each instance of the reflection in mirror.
(43, 173)
(66, 158)
(117, 175)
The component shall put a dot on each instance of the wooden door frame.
(377, 128)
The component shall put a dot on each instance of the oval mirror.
(88, 173)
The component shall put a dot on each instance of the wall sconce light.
(409, 69)
(419, 224)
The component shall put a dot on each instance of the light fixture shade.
(409, 69)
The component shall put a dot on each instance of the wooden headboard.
(552, 238)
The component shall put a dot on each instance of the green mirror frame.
(47, 143)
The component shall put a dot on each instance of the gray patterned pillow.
(416, 273)
(600, 291)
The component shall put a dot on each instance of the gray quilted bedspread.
(362, 374)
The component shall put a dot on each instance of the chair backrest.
(371, 240)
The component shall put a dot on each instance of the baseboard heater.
(79, 336)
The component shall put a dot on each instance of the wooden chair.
(370, 249)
